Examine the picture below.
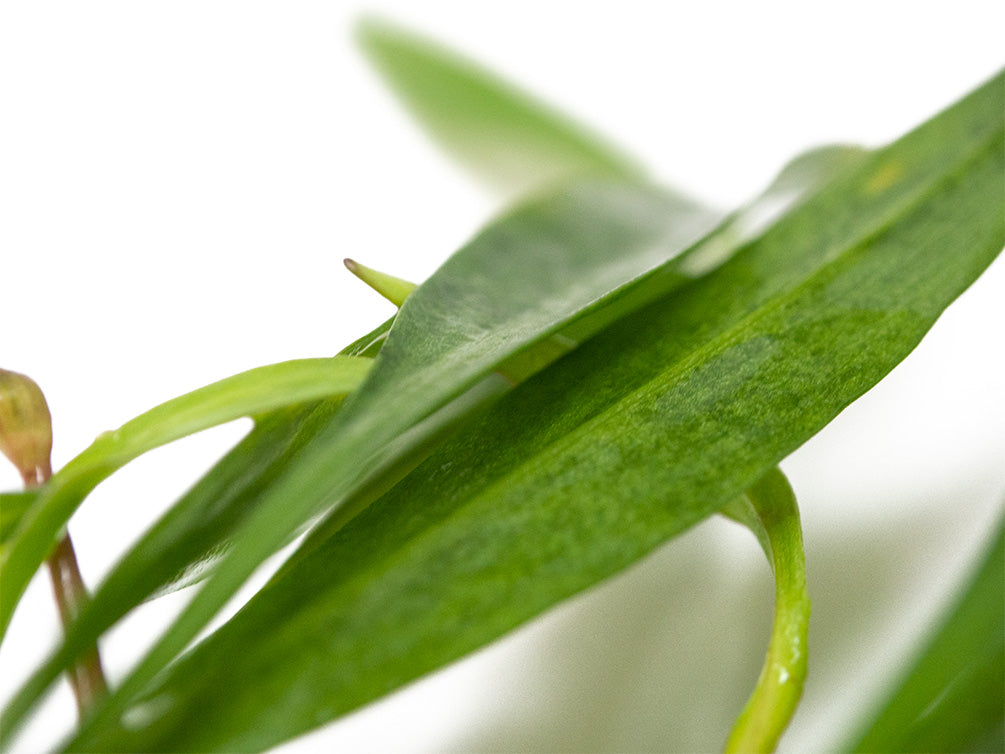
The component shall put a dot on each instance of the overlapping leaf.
(197, 530)
(610, 234)
(899, 184)
(641, 432)
(247, 394)
(202, 522)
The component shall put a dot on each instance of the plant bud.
(25, 427)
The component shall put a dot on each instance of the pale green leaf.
(250, 393)
(502, 135)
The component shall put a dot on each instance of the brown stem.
(87, 678)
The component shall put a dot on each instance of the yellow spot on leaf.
(884, 177)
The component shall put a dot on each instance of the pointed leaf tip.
(392, 288)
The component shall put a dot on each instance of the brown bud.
(25, 427)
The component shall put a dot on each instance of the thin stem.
(87, 677)
(774, 699)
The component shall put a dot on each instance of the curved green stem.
(769, 509)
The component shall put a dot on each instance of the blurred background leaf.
(952, 697)
(505, 137)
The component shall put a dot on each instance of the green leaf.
(795, 184)
(12, 507)
(183, 546)
(644, 226)
(649, 427)
(247, 394)
(561, 258)
(952, 698)
(502, 135)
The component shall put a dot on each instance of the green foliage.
(502, 135)
(248, 394)
(953, 697)
(602, 367)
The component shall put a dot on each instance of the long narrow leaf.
(635, 436)
(502, 135)
(247, 394)
(570, 260)
(182, 546)
(470, 350)
(196, 533)
(770, 511)
(452, 332)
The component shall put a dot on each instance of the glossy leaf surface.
(183, 545)
(407, 388)
(195, 534)
(646, 429)
(452, 332)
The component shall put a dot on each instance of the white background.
(179, 183)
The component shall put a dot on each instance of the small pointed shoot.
(25, 427)
(393, 289)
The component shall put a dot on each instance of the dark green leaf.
(567, 255)
(643, 431)
(520, 354)
(953, 696)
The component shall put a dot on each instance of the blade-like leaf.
(502, 135)
(648, 428)
(795, 184)
(585, 256)
(953, 696)
(182, 546)
(568, 254)
(247, 394)
(196, 532)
